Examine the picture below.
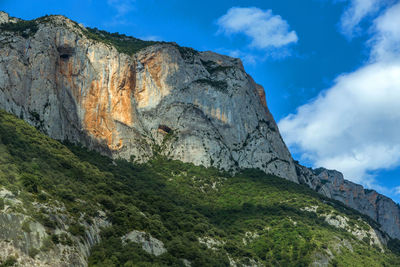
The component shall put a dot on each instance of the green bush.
(47, 244)
(10, 261)
(76, 229)
(25, 28)
(33, 252)
(124, 44)
(30, 182)
(25, 226)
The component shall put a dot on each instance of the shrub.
(124, 44)
(33, 252)
(25, 28)
(10, 261)
(77, 229)
(25, 226)
(30, 182)
(47, 244)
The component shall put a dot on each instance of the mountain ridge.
(197, 107)
(332, 184)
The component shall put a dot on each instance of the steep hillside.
(129, 98)
(332, 184)
(62, 205)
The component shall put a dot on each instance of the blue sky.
(329, 67)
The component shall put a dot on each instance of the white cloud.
(354, 126)
(397, 190)
(386, 42)
(151, 38)
(356, 12)
(263, 28)
(122, 6)
(247, 58)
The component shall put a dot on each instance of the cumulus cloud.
(264, 29)
(354, 126)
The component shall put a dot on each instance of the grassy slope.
(177, 203)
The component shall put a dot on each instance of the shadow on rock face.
(65, 51)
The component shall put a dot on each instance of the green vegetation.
(25, 28)
(187, 53)
(131, 45)
(249, 217)
(124, 44)
(10, 261)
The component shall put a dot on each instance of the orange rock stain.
(107, 103)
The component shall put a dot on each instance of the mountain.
(81, 85)
(167, 118)
(331, 184)
(62, 205)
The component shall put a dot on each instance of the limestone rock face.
(332, 184)
(198, 107)
(30, 243)
(4, 18)
(149, 244)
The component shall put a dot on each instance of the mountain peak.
(111, 92)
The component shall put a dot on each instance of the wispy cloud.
(386, 41)
(122, 7)
(264, 29)
(247, 58)
(355, 13)
(359, 11)
(354, 126)
(151, 38)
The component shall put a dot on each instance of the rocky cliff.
(332, 184)
(198, 107)
(146, 98)
(29, 242)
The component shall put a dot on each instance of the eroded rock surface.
(149, 244)
(30, 243)
(75, 88)
(332, 184)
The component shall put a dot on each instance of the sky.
(330, 68)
